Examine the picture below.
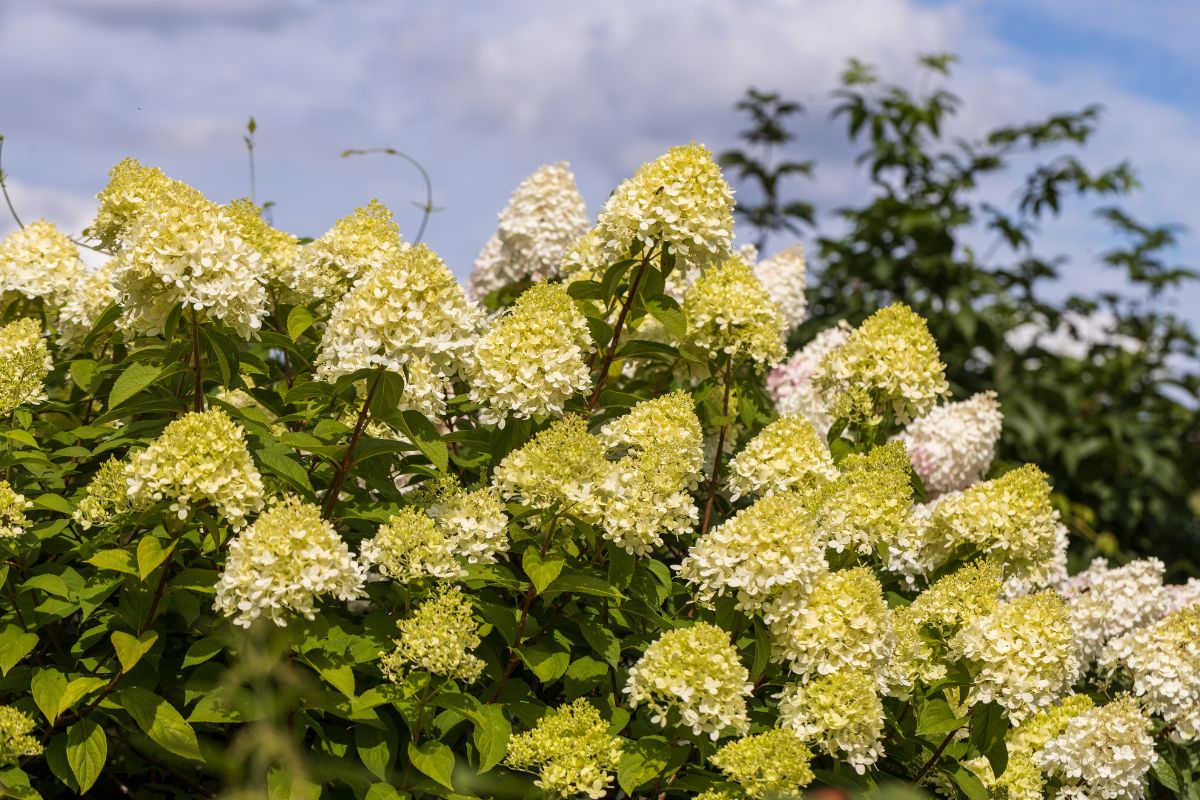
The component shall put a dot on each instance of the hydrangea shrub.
(309, 519)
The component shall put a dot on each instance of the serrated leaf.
(49, 583)
(420, 432)
(376, 748)
(278, 459)
(202, 651)
(435, 760)
(546, 660)
(340, 678)
(159, 720)
(53, 502)
(87, 750)
(135, 378)
(130, 649)
(579, 583)
(78, 689)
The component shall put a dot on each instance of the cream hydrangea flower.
(131, 190)
(782, 455)
(16, 741)
(408, 315)
(411, 546)
(13, 505)
(475, 520)
(283, 564)
(182, 250)
(106, 496)
(839, 713)
(647, 491)
(692, 672)
(1024, 652)
(88, 297)
(680, 201)
(561, 467)
(571, 751)
(1009, 519)
(544, 217)
(24, 364)
(1107, 602)
(766, 555)
(1163, 661)
(39, 261)
(894, 359)
(199, 457)
(277, 250)
(868, 505)
(439, 638)
(767, 765)
(844, 624)
(1109, 749)
(783, 275)
(586, 258)
(353, 248)
(952, 446)
(730, 313)
(531, 361)
(1182, 595)
(792, 386)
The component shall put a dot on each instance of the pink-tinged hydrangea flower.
(952, 446)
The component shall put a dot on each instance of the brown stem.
(716, 470)
(197, 367)
(343, 469)
(616, 337)
(530, 595)
(936, 755)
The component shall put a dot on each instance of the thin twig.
(198, 389)
(716, 470)
(428, 207)
(936, 755)
(4, 187)
(343, 469)
(530, 595)
(616, 336)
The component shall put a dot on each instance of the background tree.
(1113, 417)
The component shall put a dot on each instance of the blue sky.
(483, 92)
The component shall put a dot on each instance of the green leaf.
(340, 678)
(202, 651)
(53, 502)
(988, 726)
(115, 560)
(161, 722)
(664, 309)
(299, 320)
(420, 432)
(542, 570)
(384, 791)
(24, 437)
(278, 460)
(937, 717)
(87, 750)
(641, 762)
(435, 760)
(547, 660)
(78, 689)
(130, 649)
(1165, 774)
(47, 687)
(376, 748)
(285, 784)
(15, 644)
(970, 784)
(150, 554)
(48, 583)
(580, 583)
(135, 378)
(491, 737)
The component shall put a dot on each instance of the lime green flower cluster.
(201, 456)
(893, 359)
(39, 262)
(13, 505)
(411, 546)
(132, 189)
(839, 713)
(351, 249)
(24, 364)
(730, 314)
(106, 496)
(531, 360)
(782, 456)
(15, 739)
(571, 751)
(868, 505)
(558, 469)
(679, 201)
(694, 673)
(767, 765)
(278, 251)
(438, 638)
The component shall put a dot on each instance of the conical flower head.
(570, 749)
(132, 188)
(679, 201)
(277, 250)
(39, 261)
(13, 506)
(784, 275)
(792, 384)
(439, 638)
(782, 456)
(893, 359)
(729, 313)
(839, 713)
(531, 361)
(24, 364)
(351, 249)
(767, 766)
(561, 467)
(544, 217)
(953, 445)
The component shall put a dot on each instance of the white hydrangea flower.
(475, 519)
(13, 506)
(952, 446)
(24, 364)
(88, 297)
(39, 262)
(839, 713)
(571, 751)
(439, 637)
(692, 672)
(531, 360)
(201, 456)
(353, 248)
(791, 383)
(1108, 602)
(782, 455)
(730, 313)
(783, 276)
(1182, 595)
(408, 315)
(545, 216)
(1163, 660)
(283, 563)
(1108, 749)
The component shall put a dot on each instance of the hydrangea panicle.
(571, 751)
(16, 739)
(13, 506)
(952, 446)
(839, 713)
(354, 247)
(1108, 749)
(439, 638)
(767, 765)
(792, 386)
(783, 276)
(782, 455)
(24, 364)
(730, 314)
